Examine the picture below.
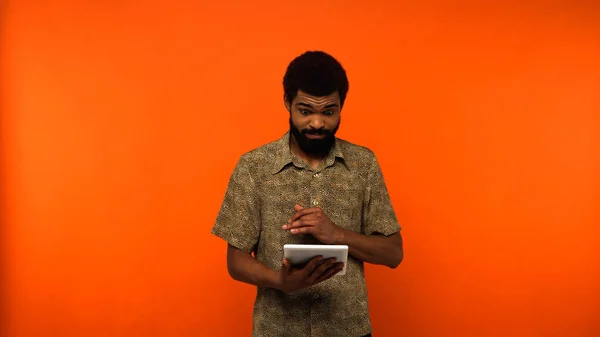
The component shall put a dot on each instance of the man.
(309, 187)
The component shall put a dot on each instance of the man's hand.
(315, 271)
(315, 222)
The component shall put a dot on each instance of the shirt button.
(315, 203)
(316, 175)
(316, 296)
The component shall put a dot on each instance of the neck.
(312, 160)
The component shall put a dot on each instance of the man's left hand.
(315, 222)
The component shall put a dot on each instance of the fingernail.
(284, 226)
(293, 231)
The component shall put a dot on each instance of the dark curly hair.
(315, 73)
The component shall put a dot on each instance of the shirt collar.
(284, 155)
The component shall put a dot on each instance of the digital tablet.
(299, 254)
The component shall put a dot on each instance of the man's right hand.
(294, 279)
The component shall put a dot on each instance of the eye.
(329, 112)
(304, 112)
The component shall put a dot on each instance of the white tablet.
(302, 253)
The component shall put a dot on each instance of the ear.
(287, 103)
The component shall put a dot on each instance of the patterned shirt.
(264, 187)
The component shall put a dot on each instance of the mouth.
(314, 136)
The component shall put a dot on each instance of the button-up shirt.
(264, 187)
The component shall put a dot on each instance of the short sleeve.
(378, 213)
(238, 220)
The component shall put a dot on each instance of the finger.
(286, 265)
(298, 207)
(321, 268)
(309, 220)
(332, 264)
(312, 264)
(291, 224)
(330, 272)
(303, 212)
(327, 275)
(302, 222)
(297, 223)
(303, 230)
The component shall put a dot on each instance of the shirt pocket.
(343, 204)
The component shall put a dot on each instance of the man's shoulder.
(354, 148)
(356, 154)
(261, 155)
(262, 151)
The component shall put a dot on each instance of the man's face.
(314, 122)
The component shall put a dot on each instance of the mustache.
(319, 132)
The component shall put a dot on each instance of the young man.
(309, 187)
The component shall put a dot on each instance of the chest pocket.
(279, 194)
(342, 200)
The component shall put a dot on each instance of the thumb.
(286, 265)
(297, 207)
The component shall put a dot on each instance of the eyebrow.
(333, 105)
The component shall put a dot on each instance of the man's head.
(315, 87)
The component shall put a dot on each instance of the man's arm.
(380, 241)
(374, 249)
(238, 223)
(245, 268)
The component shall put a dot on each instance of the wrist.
(273, 280)
(341, 236)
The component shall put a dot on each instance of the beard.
(314, 147)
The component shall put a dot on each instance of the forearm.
(374, 249)
(243, 267)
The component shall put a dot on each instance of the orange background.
(121, 122)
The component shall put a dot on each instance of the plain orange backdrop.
(121, 122)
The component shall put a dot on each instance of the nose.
(317, 123)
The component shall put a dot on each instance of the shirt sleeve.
(238, 220)
(378, 215)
